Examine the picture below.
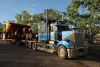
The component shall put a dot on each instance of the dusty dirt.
(20, 56)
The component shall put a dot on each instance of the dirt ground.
(20, 56)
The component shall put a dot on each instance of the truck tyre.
(62, 52)
(33, 46)
(29, 45)
(26, 44)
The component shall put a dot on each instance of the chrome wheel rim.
(61, 52)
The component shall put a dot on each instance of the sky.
(9, 8)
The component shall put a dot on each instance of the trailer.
(55, 37)
(15, 33)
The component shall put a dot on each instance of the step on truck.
(55, 37)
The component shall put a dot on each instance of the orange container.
(8, 27)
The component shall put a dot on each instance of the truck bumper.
(75, 52)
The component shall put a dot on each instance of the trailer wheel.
(29, 45)
(62, 52)
(26, 44)
(33, 46)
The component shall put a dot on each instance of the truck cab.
(66, 41)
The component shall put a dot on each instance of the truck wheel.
(62, 52)
(26, 44)
(33, 46)
(29, 45)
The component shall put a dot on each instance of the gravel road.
(20, 56)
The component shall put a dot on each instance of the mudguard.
(64, 43)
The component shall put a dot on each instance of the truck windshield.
(63, 28)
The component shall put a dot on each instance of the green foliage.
(26, 17)
(92, 14)
(52, 14)
(19, 18)
(23, 18)
(37, 18)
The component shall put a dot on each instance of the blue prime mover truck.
(60, 38)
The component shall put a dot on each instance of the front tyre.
(62, 52)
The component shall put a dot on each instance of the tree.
(90, 12)
(52, 14)
(37, 17)
(18, 18)
(23, 18)
(26, 17)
